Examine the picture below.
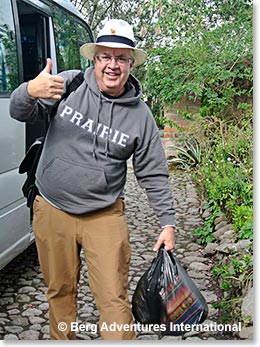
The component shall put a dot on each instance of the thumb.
(158, 244)
(48, 66)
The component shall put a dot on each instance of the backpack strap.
(74, 84)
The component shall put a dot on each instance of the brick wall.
(171, 112)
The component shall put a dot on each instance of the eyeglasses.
(120, 60)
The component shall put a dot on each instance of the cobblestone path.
(24, 309)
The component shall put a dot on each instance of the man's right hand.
(45, 85)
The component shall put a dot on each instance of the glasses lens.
(121, 60)
(104, 59)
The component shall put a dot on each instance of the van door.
(30, 31)
(14, 216)
(24, 47)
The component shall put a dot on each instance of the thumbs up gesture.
(46, 85)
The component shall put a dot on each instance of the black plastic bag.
(166, 295)
(146, 301)
(183, 304)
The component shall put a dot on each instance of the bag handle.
(168, 258)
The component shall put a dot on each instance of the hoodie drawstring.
(109, 126)
(96, 125)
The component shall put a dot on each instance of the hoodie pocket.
(67, 180)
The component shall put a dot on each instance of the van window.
(8, 52)
(69, 36)
(83, 37)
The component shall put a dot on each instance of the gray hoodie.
(83, 164)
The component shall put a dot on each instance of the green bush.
(225, 174)
(225, 178)
(234, 274)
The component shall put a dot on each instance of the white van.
(30, 31)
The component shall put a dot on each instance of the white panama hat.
(116, 34)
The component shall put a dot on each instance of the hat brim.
(88, 50)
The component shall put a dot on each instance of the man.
(82, 173)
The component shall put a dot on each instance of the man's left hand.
(167, 238)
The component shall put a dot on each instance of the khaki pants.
(104, 237)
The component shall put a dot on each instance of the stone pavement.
(24, 309)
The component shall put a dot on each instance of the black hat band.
(115, 38)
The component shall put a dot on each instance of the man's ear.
(132, 64)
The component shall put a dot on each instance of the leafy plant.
(187, 156)
(162, 121)
(235, 276)
(204, 234)
(242, 217)
(225, 174)
(247, 232)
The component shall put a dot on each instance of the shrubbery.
(204, 50)
(225, 179)
(225, 174)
